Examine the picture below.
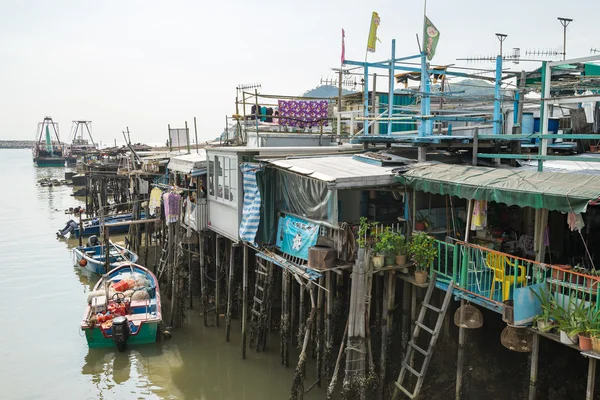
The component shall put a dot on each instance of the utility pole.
(501, 37)
(565, 22)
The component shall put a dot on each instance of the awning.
(543, 190)
(342, 172)
(189, 163)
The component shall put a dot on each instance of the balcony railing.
(494, 276)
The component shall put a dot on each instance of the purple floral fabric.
(303, 114)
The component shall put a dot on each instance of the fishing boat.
(124, 309)
(93, 258)
(92, 227)
(48, 152)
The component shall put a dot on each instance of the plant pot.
(401, 259)
(420, 226)
(566, 339)
(378, 261)
(596, 344)
(390, 261)
(543, 325)
(591, 284)
(593, 149)
(559, 272)
(585, 343)
(420, 277)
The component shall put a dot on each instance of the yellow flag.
(373, 32)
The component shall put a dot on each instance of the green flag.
(431, 35)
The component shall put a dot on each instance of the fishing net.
(516, 339)
(473, 318)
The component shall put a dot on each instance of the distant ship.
(46, 151)
(80, 146)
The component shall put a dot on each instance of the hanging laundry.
(589, 107)
(154, 202)
(171, 202)
(547, 236)
(479, 217)
(263, 114)
(269, 115)
(252, 112)
(575, 222)
(144, 186)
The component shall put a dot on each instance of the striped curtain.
(251, 209)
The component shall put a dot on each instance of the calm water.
(42, 297)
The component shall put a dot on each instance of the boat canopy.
(512, 186)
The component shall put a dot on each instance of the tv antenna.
(244, 87)
(348, 82)
(594, 51)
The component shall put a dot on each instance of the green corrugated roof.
(524, 188)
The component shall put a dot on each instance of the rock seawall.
(16, 144)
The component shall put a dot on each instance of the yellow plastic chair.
(497, 262)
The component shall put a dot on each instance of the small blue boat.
(92, 227)
(93, 258)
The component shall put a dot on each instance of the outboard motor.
(93, 241)
(120, 332)
(70, 227)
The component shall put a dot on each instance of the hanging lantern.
(473, 318)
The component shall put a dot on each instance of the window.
(223, 175)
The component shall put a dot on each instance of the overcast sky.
(146, 64)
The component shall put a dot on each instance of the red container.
(121, 286)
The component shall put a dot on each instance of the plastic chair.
(497, 262)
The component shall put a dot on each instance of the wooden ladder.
(162, 263)
(261, 305)
(407, 364)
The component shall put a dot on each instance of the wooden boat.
(117, 314)
(93, 258)
(92, 227)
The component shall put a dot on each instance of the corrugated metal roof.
(188, 163)
(344, 171)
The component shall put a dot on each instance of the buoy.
(82, 262)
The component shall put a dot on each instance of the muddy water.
(42, 296)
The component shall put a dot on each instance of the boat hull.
(98, 266)
(96, 338)
(49, 161)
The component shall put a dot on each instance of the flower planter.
(585, 343)
(420, 277)
(559, 272)
(566, 339)
(401, 260)
(420, 226)
(591, 284)
(543, 326)
(390, 261)
(593, 149)
(596, 344)
(378, 261)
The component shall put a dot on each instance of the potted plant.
(386, 245)
(592, 283)
(422, 222)
(400, 247)
(366, 238)
(422, 251)
(545, 321)
(572, 321)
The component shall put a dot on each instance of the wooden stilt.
(535, 352)
(244, 301)
(203, 287)
(217, 266)
(285, 319)
(319, 335)
(591, 379)
(461, 351)
(293, 312)
(406, 286)
(298, 384)
(389, 291)
(229, 293)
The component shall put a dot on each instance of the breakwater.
(16, 144)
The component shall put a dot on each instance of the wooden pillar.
(292, 289)
(217, 266)
(591, 379)
(535, 351)
(319, 335)
(203, 288)
(461, 351)
(405, 315)
(285, 319)
(244, 301)
(387, 314)
(229, 293)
